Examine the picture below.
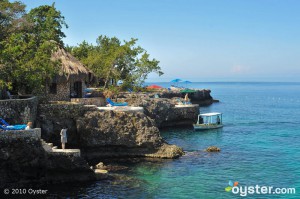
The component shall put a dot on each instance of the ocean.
(260, 146)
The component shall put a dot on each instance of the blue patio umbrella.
(187, 82)
(176, 81)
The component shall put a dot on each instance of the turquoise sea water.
(260, 146)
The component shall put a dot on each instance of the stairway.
(49, 148)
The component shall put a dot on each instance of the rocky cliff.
(164, 112)
(23, 160)
(114, 134)
(201, 97)
(105, 134)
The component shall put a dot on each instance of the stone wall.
(98, 101)
(63, 110)
(63, 92)
(32, 134)
(84, 86)
(24, 160)
(19, 111)
(53, 117)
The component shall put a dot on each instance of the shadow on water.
(186, 131)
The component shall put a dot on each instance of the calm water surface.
(259, 142)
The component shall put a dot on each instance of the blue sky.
(197, 40)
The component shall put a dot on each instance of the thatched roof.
(69, 64)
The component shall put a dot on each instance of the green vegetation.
(113, 60)
(27, 43)
(28, 40)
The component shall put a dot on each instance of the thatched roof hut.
(72, 79)
(69, 64)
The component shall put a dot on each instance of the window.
(53, 88)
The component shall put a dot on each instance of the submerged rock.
(167, 151)
(101, 174)
(101, 166)
(212, 149)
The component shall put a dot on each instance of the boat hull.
(200, 127)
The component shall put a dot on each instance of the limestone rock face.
(164, 112)
(117, 128)
(104, 134)
(107, 133)
(201, 96)
(25, 160)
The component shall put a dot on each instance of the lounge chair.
(14, 127)
(5, 126)
(108, 100)
(3, 122)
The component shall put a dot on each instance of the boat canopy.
(210, 114)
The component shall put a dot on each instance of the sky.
(196, 40)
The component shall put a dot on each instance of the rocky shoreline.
(98, 134)
(164, 111)
(23, 160)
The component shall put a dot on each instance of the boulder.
(212, 149)
(100, 165)
(101, 174)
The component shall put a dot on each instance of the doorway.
(77, 89)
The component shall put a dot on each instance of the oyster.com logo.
(257, 189)
(231, 185)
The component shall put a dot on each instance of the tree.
(113, 60)
(48, 23)
(11, 17)
(27, 66)
(25, 58)
(11, 20)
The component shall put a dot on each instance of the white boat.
(209, 121)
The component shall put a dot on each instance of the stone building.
(71, 80)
